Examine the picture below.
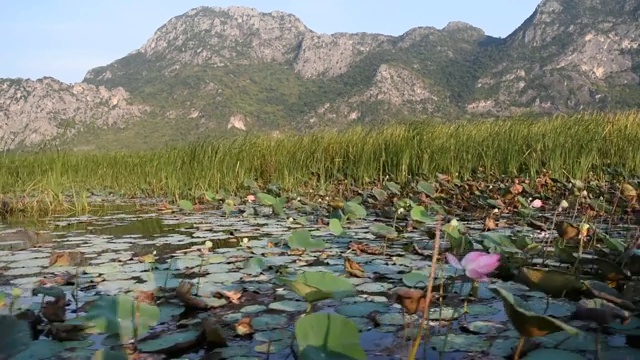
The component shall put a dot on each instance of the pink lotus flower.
(476, 264)
(536, 203)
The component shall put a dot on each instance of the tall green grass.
(575, 145)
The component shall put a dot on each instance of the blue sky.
(65, 38)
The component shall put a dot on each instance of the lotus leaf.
(551, 282)
(254, 265)
(169, 341)
(115, 314)
(336, 227)
(272, 347)
(460, 342)
(420, 214)
(530, 324)
(301, 239)
(15, 335)
(361, 309)
(315, 286)
(354, 210)
(546, 354)
(384, 231)
(288, 305)
(269, 322)
(328, 336)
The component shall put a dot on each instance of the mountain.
(225, 70)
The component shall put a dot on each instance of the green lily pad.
(288, 305)
(269, 322)
(361, 309)
(336, 227)
(486, 327)
(168, 341)
(15, 335)
(416, 279)
(319, 285)
(376, 287)
(528, 323)
(384, 231)
(254, 266)
(420, 214)
(328, 336)
(40, 350)
(503, 347)
(113, 314)
(301, 239)
(460, 342)
(272, 347)
(253, 309)
(546, 354)
(354, 210)
(273, 335)
(390, 319)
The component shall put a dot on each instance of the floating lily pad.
(529, 323)
(253, 309)
(254, 266)
(328, 336)
(15, 335)
(269, 321)
(460, 342)
(361, 309)
(546, 354)
(301, 239)
(273, 335)
(486, 327)
(272, 347)
(168, 341)
(377, 287)
(288, 305)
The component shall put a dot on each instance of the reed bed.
(576, 146)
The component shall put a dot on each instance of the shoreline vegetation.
(596, 146)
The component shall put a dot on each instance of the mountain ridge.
(216, 69)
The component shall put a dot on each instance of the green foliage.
(575, 145)
(314, 286)
(122, 315)
(328, 336)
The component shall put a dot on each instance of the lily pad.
(15, 335)
(113, 314)
(361, 309)
(254, 266)
(272, 347)
(269, 322)
(528, 323)
(301, 239)
(328, 336)
(168, 341)
(319, 285)
(288, 305)
(460, 342)
(546, 354)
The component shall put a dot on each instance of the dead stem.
(432, 276)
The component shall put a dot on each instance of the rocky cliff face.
(568, 55)
(239, 69)
(32, 111)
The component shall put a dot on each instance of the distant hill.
(216, 70)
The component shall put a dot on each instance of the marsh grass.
(566, 145)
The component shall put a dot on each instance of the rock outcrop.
(238, 69)
(33, 111)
